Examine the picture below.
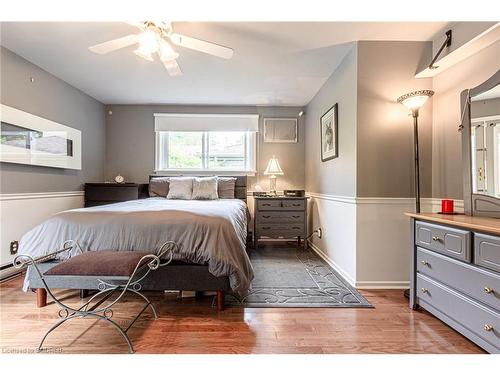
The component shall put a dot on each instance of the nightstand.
(97, 194)
(280, 217)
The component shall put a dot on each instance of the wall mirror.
(481, 148)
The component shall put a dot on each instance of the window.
(205, 150)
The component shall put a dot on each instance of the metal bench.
(112, 271)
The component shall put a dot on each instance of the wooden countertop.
(475, 223)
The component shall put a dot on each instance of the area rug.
(294, 277)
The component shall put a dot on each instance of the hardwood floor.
(194, 326)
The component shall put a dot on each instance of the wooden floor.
(194, 326)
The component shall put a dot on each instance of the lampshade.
(148, 44)
(148, 41)
(416, 99)
(273, 167)
(166, 51)
(145, 54)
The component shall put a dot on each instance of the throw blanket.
(207, 232)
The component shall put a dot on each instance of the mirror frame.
(475, 204)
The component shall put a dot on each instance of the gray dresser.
(280, 217)
(456, 274)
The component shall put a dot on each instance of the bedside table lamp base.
(272, 185)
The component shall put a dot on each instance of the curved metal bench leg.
(57, 324)
(145, 299)
(124, 334)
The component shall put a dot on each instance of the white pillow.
(205, 188)
(180, 188)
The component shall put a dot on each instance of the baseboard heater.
(8, 271)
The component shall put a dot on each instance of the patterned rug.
(294, 277)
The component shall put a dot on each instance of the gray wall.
(386, 71)
(484, 108)
(130, 142)
(53, 99)
(336, 176)
(446, 140)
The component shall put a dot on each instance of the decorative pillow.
(180, 188)
(158, 187)
(225, 187)
(205, 188)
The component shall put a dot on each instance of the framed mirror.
(481, 148)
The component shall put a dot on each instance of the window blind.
(205, 122)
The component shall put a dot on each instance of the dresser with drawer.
(98, 194)
(456, 274)
(280, 217)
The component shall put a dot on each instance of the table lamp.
(273, 169)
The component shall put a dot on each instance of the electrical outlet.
(320, 232)
(14, 245)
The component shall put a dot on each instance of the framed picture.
(329, 134)
(280, 130)
(30, 139)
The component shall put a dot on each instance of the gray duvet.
(207, 232)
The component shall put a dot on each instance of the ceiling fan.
(158, 37)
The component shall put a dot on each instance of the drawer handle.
(266, 227)
(436, 238)
(265, 204)
(424, 290)
(295, 227)
(488, 327)
(488, 290)
(425, 263)
(295, 205)
(295, 216)
(266, 216)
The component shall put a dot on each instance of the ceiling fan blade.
(172, 67)
(115, 44)
(139, 24)
(201, 45)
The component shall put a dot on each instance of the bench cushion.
(99, 263)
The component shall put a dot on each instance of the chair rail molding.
(44, 195)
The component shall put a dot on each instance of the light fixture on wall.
(273, 169)
(414, 101)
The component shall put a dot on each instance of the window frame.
(161, 148)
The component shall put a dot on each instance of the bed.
(211, 237)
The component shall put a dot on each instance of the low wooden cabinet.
(280, 217)
(97, 194)
(456, 274)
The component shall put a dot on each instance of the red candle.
(447, 206)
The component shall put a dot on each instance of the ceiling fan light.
(145, 54)
(172, 67)
(166, 51)
(148, 41)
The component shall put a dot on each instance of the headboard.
(240, 187)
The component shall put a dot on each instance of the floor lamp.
(414, 101)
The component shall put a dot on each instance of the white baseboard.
(332, 264)
(383, 285)
(359, 284)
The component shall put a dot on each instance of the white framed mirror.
(481, 148)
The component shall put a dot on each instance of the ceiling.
(274, 63)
